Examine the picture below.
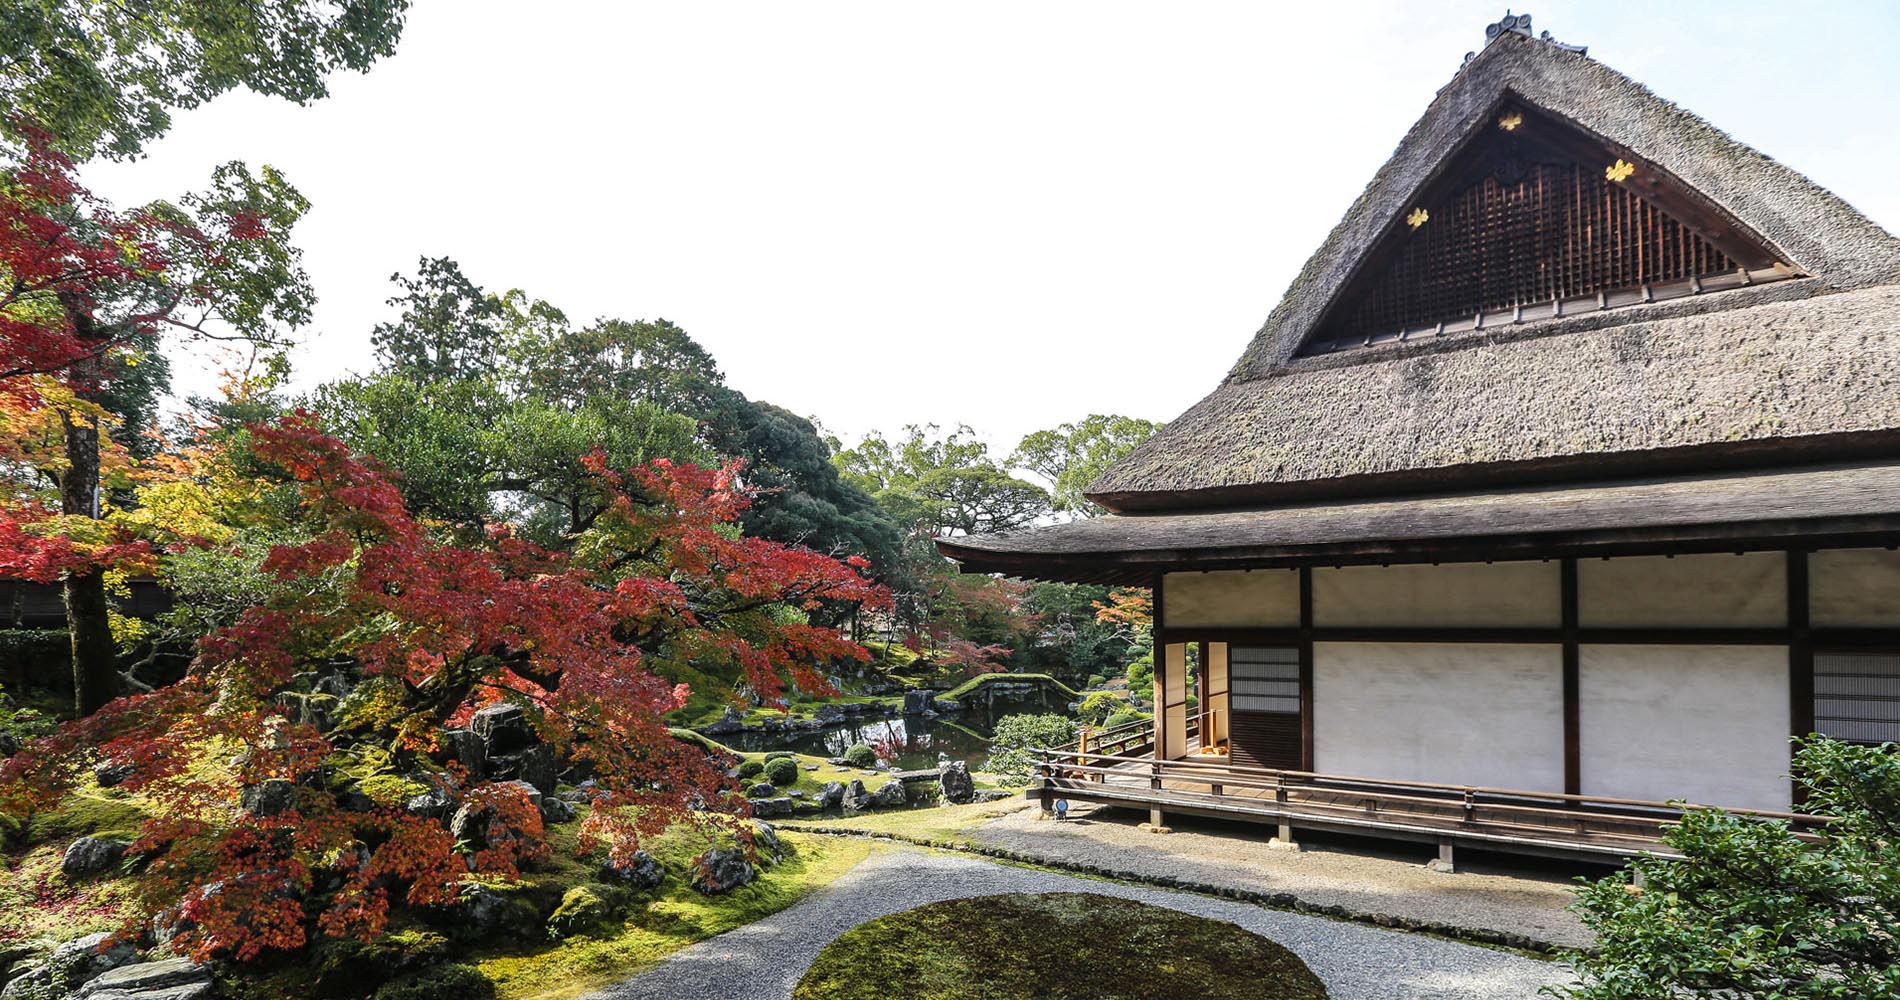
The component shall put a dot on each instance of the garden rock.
(991, 795)
(503, 728)
(584, 908)
(731, 722)
(832, 797)
(856, 798)
(480, 827)
(528, 789)
(466, 748)
(171, 979)
(762, 790)
(644, 871)
(720, 871)
(954, 779)
(780, 806)
(535, 765)
(828, 715)
(491, 914)
(891, 796)
(268, 797)
(92, 855)
(107, 774)
(557, 811)
(436, 803)
(71, 964)
(765, 838)
(918, 702)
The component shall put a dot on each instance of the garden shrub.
(860, 755)
(782, 771)
(1017, 735)
(443, 982)
(1097, 706)
(1097, 680)
(1124, 718)
(750, 768)
(1753, 911)
(780, 755)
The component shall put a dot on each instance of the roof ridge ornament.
(1520, 24)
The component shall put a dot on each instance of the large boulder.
(534, 765)
(954, 779)
(92, 855)
(642, 871)
(171, 979)
(720, 871)
(71, 965)
(503, 728)
(762, 790)
(890, 796)
(856, 798)
(832, 797)
(586, 907)
(919, 702)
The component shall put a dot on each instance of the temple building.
(1564, 481)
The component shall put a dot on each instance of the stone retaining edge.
(1272, 900)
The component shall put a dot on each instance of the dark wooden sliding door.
(1267, 713)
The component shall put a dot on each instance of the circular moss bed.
(1054, 946)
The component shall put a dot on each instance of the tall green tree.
(1072, 456)
(937, 483)
(103, 78)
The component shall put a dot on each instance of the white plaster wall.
(1171, 686)
(1704, 723)
(1471, 714)
(1854, 588)
(1261, 598)
(1452, 594)
(1719, 589)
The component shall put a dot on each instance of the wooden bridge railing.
(1125, 740)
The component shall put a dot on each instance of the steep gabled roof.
(1769, 372)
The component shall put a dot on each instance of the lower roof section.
(1844, 504)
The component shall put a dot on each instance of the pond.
(906, 743)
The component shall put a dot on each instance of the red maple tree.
(429, 632)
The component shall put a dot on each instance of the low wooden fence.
(1506, 819)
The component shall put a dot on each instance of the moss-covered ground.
(36, 898)
(1054, 946)
(674, 917)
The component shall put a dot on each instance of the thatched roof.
(1856, 503)
(1798, 370)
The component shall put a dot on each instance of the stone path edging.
(1275, 900)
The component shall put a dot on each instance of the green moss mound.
(444, 982)
(1054, 946)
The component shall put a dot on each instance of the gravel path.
(1519, 901)
(764, 960)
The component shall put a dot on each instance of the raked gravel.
(764, 960)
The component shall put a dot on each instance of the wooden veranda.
(1117, 767)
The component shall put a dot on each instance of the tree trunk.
(95, 657)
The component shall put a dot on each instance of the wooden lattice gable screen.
(1537, 218)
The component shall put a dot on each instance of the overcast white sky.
(1006, 214)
